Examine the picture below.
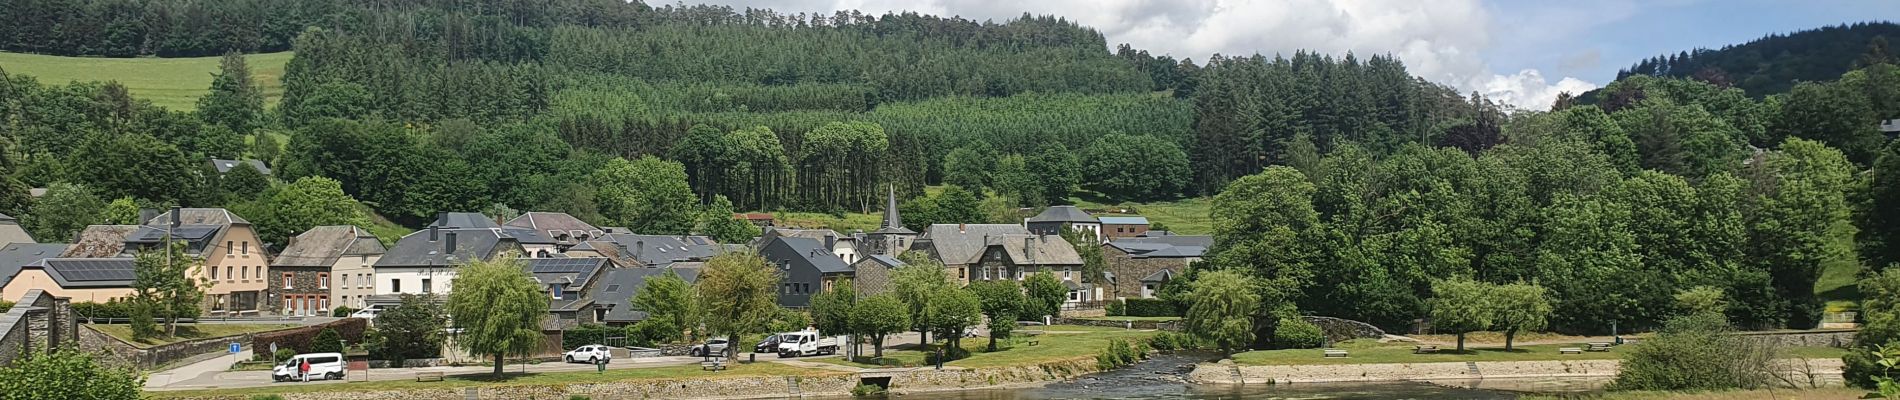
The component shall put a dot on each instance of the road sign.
(235, 348)
(273, 349)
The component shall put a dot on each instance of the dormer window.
(555, 290)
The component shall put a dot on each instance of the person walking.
(303, 368)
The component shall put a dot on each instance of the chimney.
(433, 236)
(176, 216)
(448, 244)
(639, 247)
(831, 241)
(442, 218)
(1029, 250)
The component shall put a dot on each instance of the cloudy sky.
(1522, 52)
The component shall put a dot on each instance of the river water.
(1160, 379)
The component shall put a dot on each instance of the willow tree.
(498, 309)
(737, 295)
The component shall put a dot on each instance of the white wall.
(411, 277)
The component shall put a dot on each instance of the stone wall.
(122, 353)
(1338, 329)
(38, 322)
(1145, 325)
(1129, 270)
(1816, 338)
(1825, 369)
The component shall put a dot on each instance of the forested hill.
(1774, 63)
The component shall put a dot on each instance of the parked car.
(807, 343)
(769, 345)
(322, 366)
(711, 347)
(590, 353)
(367, 313)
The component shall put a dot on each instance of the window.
(426, 287)
(323, 303)
(346, 282)
(228, 272)
(1065, 273)
(211, 273)
(395, 285)
(244, 272)
(323, 280)
(247, 247)
(364, 279)
(287, 278)
(1074, 295)
(228, 245)
(600, 314)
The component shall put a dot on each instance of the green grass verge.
(385, 230)
(1138, 319)
(174, 83)
(186, 332)
(515, 379)
(1764, 394)
(1057, 343)
(1369, 352)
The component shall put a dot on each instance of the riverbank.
(1826, 371)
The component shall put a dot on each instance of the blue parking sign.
(234, 347)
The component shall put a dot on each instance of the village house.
(95, 280)
(322, 265)
(424, 262)
(1016, 257)
(647, 251)
(1143, 264)
(533, 243)
(234, 260)
(1051, 221)
(14, 256)
(844, 247)
(871, 276)
(613, 294)
(958, 246)
(806, 268)
(1123, 226)
(11, 232)
(564, 229)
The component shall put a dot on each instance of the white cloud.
(1442, 41)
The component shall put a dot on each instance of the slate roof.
(100, 241)
(416, 250)
(88, 272)
(618, 286)
(15, 255)
(225, 166)
(11, 232)
(1037, 249)
(553, 221)
(1064, 214)
(892, 224)
(1158, 276)
(463, 220)
(199, 216)
(1124, 220)
(656, 250)
(809, 252)
(573, 274)
(1172, 246)
(322, 246)
(959, 244)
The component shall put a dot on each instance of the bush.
(1880, 313)
(67, 374)
(949, 354)
(327, 341)
(586, 334)
(342, 311)
(283, 354)
(1119, 353)
(1295, 333)
(108, 309)
(267, 397)
(578, 397)
(1695, 352)
(866, 390)
(1170, 341)
(1115, 308)
(1149, 308)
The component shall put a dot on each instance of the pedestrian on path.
(303, 368)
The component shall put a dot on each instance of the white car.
(715, 346)
(322, 366)
(367, 313)
(590, 354)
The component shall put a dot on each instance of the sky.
(1520, 52)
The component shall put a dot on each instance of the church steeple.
(891, 219)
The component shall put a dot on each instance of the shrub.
(1149, 308)
(284, 354)
(303, 338)
(327, 341)
(1119, 353)
(1294, 333)
(108, 309)
(1115, 308)
(67, 374)
(342, 311)
(866, 390)
(1880, 313)
(1695, 352)
(578, 397)
(587, 334)
(1170, 341)
(267, 397)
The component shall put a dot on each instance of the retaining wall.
(122, 353)
(36, 323)
(1165, 326)
(1279, 374)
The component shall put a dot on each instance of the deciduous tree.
(1001, 301)
(1044, 295)
(66, 209)
(646, 195)
(737, 295)
(1222, 309)
(498, 309)
(1460, 306)
(880, 316)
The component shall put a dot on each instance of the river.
(1161, 379)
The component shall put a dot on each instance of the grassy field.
(1369, 352)
(1764, 394)
(174, 83)
(1055, 343)
(186, 332)
(1186, 216)
(516, 379)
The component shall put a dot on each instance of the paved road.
(214, 374)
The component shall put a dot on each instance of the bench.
(1597, 347)
(1335, 353)
(1569, 350)
(1424, 348)
(713, 364)
(430, 376)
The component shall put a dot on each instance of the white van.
(322, 366)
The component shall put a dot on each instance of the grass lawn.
(844, 225)
(174, 83)
(1185, 216)
(518, 379)
(1774, 394)
(1370, 352)
(384, 229)
(1119, 319)
(186, 332)
(1061, 342)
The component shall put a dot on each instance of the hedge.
(587, 334)
(108, 309)
(300, 339)
(1149, 308)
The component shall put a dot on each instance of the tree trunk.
(877, 346)
(923, 337)
(992, 347)
(498, 365)
(1510, 336)
(732, 346)
(1461, 341)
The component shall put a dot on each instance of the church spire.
(891, 219)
